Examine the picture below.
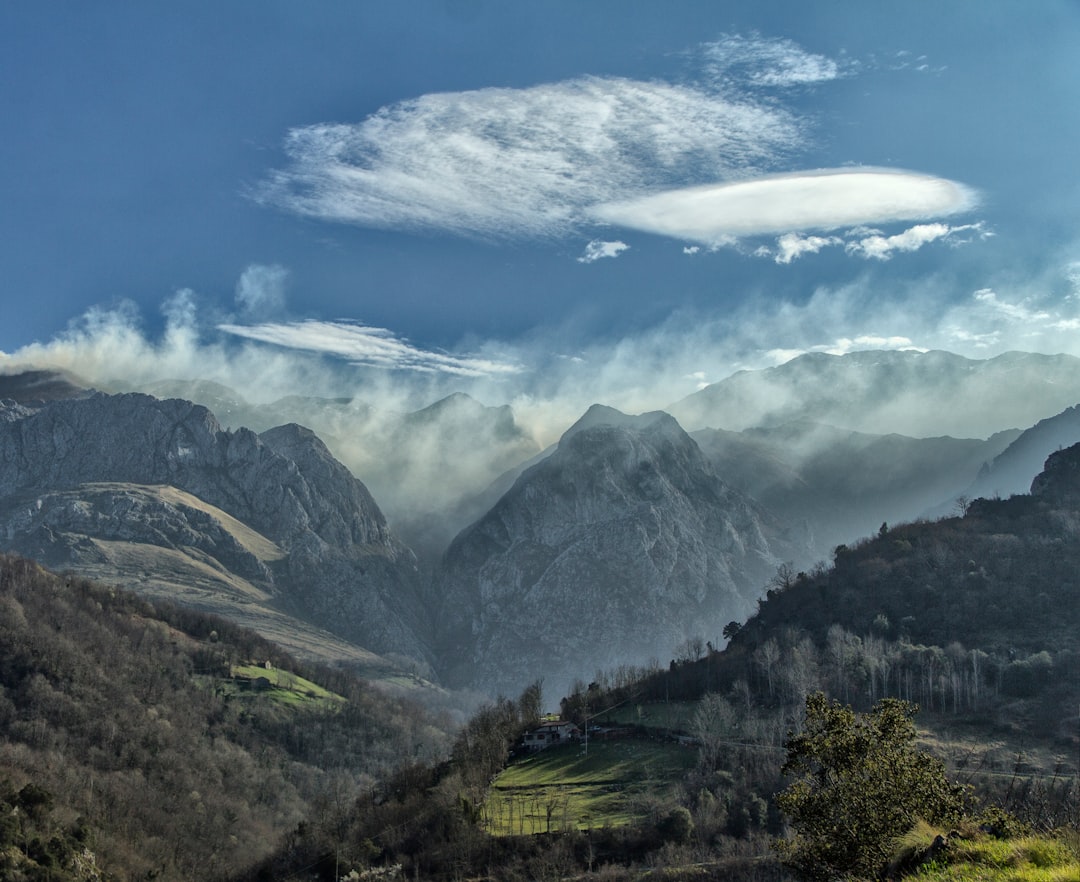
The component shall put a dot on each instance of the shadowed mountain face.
(919, 394)
(146, 485)
(842, 484)
(612, 549)
(28, 387)
(1013, 470)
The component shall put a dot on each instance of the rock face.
(615, 548)
(73, 472)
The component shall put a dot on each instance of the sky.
(544, 204)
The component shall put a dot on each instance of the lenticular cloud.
(821, 200)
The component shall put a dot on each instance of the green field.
(563, 788)
(286, 687)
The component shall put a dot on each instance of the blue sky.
(545, 204)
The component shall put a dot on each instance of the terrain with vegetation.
(193, 728)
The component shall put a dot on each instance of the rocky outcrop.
(1059, 480)
(615, 548)
(339, 565)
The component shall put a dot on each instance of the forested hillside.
(137, 742)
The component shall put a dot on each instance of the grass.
(983, 858)
(563, 788)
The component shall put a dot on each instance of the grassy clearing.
(983, 858)
(563, 788)
(286, 687)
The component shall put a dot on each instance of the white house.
(549, 733)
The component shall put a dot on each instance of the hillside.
(139, 746)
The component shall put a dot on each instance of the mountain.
(158, 495)
(842, 484)
(617, 546)
(420, 465)
(919, 394)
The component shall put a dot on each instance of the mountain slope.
(1013, 470)
(615, 547)
(843, 484)
(327, 553)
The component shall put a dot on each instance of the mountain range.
(499, 563)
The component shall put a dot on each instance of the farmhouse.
(549, 733)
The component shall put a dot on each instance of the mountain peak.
(602, 415)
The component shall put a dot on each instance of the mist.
(422, 465)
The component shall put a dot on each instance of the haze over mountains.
(616, 544)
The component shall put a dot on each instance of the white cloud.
(791, 246)
(260, 292)
(767, 62)
(778, 204)
(880, 247)
(523, 162)
(363, 345)
(691, 249)
(597, 249)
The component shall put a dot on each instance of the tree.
(858, 783)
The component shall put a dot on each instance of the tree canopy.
(857, 783)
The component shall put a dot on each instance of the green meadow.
(615, 783)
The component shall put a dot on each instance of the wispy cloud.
(364, 345)
(880, 247)
(761, 62)
(792, 245)
(260, 293)
(597, 249)
(523, 162)
(869, 243)
(779, 204)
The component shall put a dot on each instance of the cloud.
(260, 293)
(503, 162)
(691, 249)
(773, 63)
(597, 249)
(791, 246)
(819, 200)
(880, 247)
(363, 345)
